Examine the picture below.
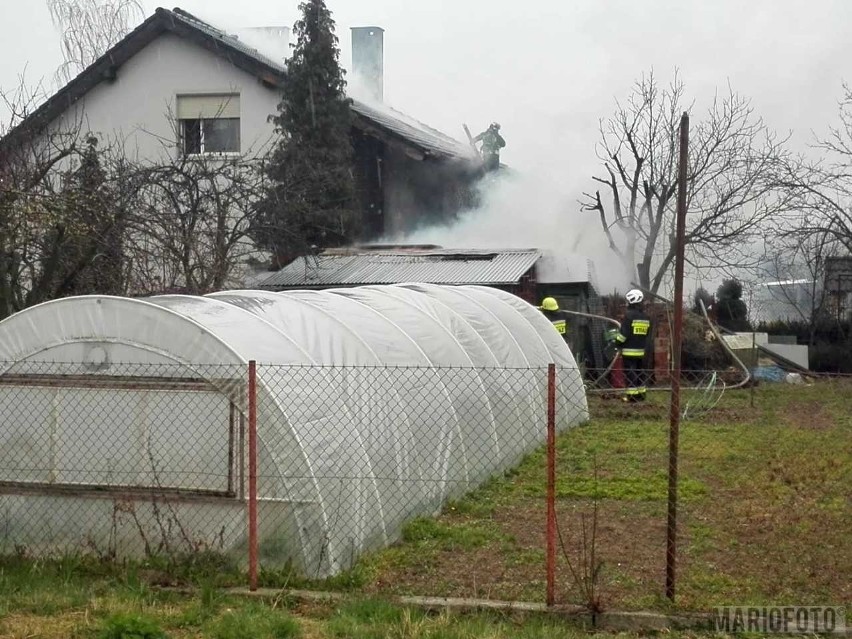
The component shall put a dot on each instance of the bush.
(831, 351)
(131, 626)
(699, 353)
(259, 623)
(731, 310)
(825, 357)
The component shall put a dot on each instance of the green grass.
(764, 518)
(131, 626)
(107, 610)
(377, 619)
(465, 535)
(254, 622)
(764, 503)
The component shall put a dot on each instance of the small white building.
(783, 300)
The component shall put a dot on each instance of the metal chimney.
(368, 65)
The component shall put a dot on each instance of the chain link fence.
(348, 456)
(434, 481)
(121, 459)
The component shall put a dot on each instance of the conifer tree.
(310, 200)
(83, 251)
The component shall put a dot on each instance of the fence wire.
(120, 459)
(432, 481)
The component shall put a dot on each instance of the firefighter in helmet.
(632, 340)
(492, 142)
(550, 308)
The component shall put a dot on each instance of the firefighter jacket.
(491, 140)
(557, 318)
(634, 332)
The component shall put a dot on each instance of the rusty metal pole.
(551, 485)
(252, 474)
(677, 336)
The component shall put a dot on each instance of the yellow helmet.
(549, 304)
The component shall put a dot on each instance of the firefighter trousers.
(635, 376)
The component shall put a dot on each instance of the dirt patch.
(727, 415)
(476, 573)
(786, 548)
(810, 415)
(630, 541)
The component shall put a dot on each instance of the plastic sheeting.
(343, 374)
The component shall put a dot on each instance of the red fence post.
(252, 474)
(551, 484)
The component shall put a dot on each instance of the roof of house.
(373, 118)
(410, 130)
(433, 265)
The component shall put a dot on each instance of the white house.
(176, 69)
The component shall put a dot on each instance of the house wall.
(135, 107)
(399, 192)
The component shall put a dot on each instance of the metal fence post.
(252, 474)
(551, 484)
(677, 336)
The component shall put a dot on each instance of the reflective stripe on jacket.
(557, 318)
(634, 332)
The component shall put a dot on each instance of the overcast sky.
(548, 70)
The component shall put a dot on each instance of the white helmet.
(634, 296)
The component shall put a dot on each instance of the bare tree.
(799, 265)
(189, 229)
(734, 163)
(825, 186)
(59, 212)
(89, 28)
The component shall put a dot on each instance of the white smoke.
(271, 41)
(534, 210)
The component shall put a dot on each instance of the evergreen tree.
(731, 310)
(311, 195)
(702, 295)
(83, 251)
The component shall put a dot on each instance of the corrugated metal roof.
(440, 266)
(562, 268)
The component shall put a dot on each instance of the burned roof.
(402, 126)
(377, 118)
(352, 267)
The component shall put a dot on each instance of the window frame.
(235, 482)
(201, 141)
(226, 113)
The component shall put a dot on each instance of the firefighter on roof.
(492, 142)
(632, 339)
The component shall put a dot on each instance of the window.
(104, 433)
(209, 123)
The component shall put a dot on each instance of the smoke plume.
(533, 210)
